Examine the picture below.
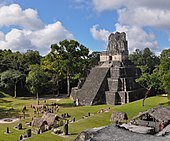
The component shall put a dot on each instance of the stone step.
(92, 85)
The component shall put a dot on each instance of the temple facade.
(117, 49)
(113, 81)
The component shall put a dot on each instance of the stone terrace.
(113, 133)
(92, 88)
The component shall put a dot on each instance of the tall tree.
(164, 70)
(147, 62)
(166, 83)
(32, 57)
(73, 57)
(10, 78)
(164, 66)
(36, 80)
(50, 64)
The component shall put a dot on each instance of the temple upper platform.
(117, 49)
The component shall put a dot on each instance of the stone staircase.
(94, 87)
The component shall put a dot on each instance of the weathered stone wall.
(74, 92)
(114, 81)
(93, 90)
(113, 133)
(106, 57)
(137, 94)
(100, 96)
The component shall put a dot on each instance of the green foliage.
(164, 70)
(164, 61)
(71, 59)
(37, 79)
(94, 59)
(67, 60)
(10, 78)
(32, 57)
(147, 62)
(166, 83)
(155, 71)
(145, 59)
(144, 80)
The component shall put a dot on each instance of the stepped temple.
(113, 81)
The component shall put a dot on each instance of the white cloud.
(135, 15)
(33, 33)
(22, 40)
(2, 36)
(138, 38)
(102, 5)
(52, 33)
(14, 15)
(138, 12)
(100, 34)
(145, 17)
(80, 4)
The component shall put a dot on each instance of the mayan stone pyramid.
(113, 81)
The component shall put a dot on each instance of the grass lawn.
(66, 106)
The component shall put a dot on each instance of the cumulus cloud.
(100, 34)
(80, 4)
(33, 33)
(135, 15)
(52, 33)
(145, 17)
(22, 40)
(138, 38)
(14, 15)
(140, 13)
(102, 5)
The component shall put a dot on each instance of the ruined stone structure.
(112, 82)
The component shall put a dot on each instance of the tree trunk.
(37, 99)
(146, 95)
(68, 85)
(15, 90)
(57, 89)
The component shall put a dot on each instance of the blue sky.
(36, 24)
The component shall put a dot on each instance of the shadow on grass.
(66, 104)
(2, 94)
(73, 134)
(4, 101)
(7, 113)
(25, 98)
(165, 104)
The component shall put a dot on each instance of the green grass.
(66, 106)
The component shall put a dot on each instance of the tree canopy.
(72, 59)
(67, 62)
(30, 72)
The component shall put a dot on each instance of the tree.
(73, 58)
(147, 62)
(164, 66)
(94, 59)
(164, 70)
(166, 83)
(50, 64)
(10, 78)
(32, 57)
(36, 80)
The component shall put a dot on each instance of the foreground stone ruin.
(112, 82)
(151, 125)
